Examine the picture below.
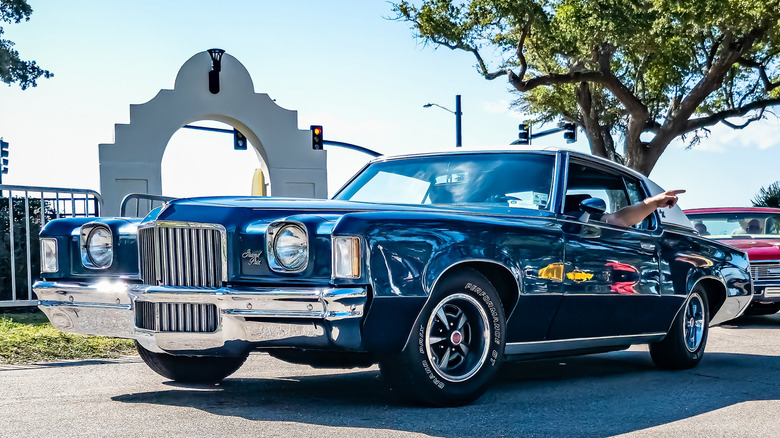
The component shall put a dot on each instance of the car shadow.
(596, 395)
(756, 321)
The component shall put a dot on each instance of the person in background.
(701, 229)
(754, 227)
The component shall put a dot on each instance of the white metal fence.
(144, 203)
(24, 210)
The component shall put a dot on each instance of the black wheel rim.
(457, 337)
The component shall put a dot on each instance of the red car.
(755, 230)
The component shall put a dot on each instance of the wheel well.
(500, 277)
(716, 294)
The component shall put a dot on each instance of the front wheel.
(456, 346)
(684, 345)
(191, 369)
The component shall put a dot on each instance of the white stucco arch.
(132, 164)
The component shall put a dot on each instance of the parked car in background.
(755, 230)
(438, 267)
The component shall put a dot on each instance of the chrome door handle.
(647, 246)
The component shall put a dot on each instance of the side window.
(635, 195)
(617, 191)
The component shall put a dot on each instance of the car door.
(611, 273)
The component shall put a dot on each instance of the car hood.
(757, 249)
(235, 211)
(298, 204)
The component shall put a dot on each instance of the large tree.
(13, 70)
(646, 71)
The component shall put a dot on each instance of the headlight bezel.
(88, 258)
(275, 262)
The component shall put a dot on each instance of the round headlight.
(100, 247)
(291, 248)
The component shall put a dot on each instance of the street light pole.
(458, 114)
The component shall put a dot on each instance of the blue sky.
(341, 64)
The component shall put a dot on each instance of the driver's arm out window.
(636, 195)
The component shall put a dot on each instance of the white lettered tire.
(457, 344)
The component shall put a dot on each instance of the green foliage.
(38, 342)
(12, 68)
(768, 197)
(649, 68)
(20, 245)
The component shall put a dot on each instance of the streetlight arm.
(428, 105)
(458, 113)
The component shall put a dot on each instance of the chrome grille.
(764, 271)
(175, 254)
(176, 317)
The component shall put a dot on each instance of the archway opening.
(205, 163)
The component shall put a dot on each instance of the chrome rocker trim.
(248, 318)
(581, 343)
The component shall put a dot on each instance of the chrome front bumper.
(247, 318)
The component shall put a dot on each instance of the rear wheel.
(683, 347)
(191, 369)
(456, 347)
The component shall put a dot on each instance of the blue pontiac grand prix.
(438, 267)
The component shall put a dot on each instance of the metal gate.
(24, 210)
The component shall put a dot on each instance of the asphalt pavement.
(734, 392)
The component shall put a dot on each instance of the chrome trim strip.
(518, 283)
(580, 343)
(224, 257)
(564, 184)
(276, 313)
(51, 303)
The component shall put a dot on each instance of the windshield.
(522, 180)
(737, 225)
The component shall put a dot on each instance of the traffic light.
(316, 137)
(525, 133)
(4, 156)
(239, 141)
(569, 132)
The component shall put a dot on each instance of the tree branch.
(713, 51)
(520, 46)
(679, 123)
(768, 84)
(721, 116)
